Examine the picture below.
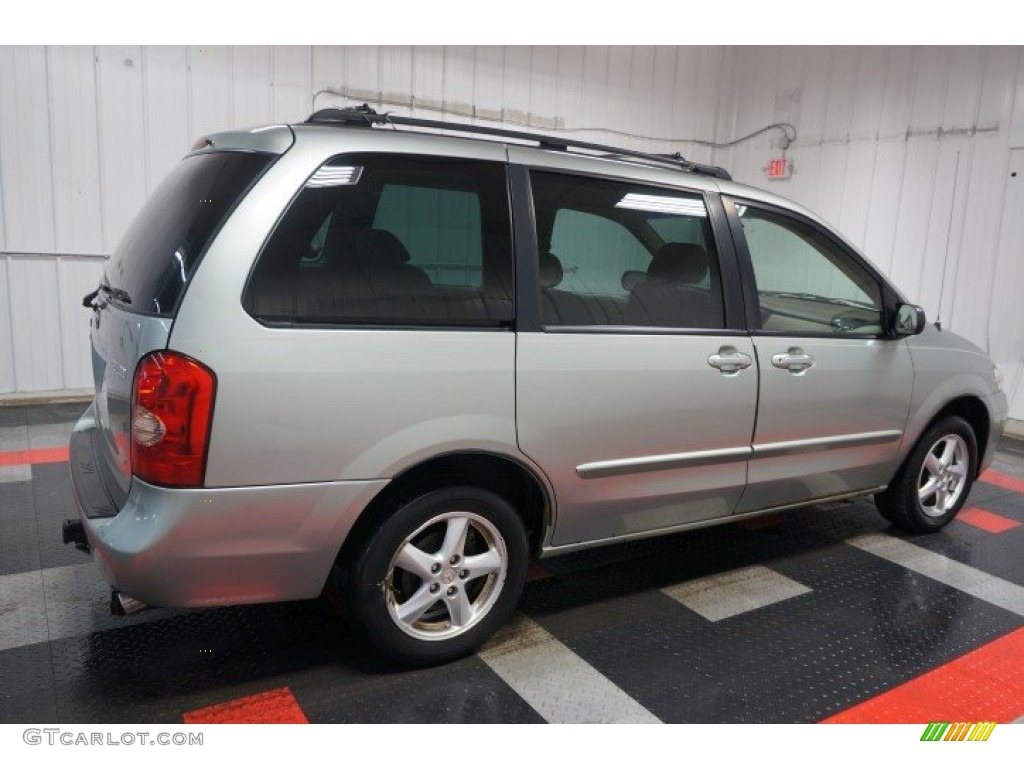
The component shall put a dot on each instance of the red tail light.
(172, 409)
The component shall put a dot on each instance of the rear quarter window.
(440, 228)
(156, 257)
(381, 239)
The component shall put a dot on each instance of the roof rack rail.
(367, 117)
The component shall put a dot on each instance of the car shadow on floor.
(158, 668)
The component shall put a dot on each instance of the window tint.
(390, 239)
(440, 228)
(805, 283)
(157, 255)
(616, 253)
(679, 229)
(595, 252)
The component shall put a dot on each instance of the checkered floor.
(822, 614)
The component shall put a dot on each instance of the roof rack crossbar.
(367, 117)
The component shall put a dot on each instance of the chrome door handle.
(729, 361)
(794, 361)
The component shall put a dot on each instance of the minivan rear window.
(155, 259)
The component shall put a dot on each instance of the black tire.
(901, 503)
(379, 587)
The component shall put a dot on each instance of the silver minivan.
(401, 358)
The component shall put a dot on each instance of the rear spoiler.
(273, 139)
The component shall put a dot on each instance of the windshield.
(156, 257)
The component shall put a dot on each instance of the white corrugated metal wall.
(85, 133)
(909, 153)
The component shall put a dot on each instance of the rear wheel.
(440, 575)
(936, 478)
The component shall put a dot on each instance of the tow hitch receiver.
(73, 532)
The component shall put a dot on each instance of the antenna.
(949, 231)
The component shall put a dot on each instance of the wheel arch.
(972, 410)
(901, 502)
(521, 485)
(953, 377)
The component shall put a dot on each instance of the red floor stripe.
(987, 521)
(34, 456)
(992, 477)
(276, 706)
(985, 684)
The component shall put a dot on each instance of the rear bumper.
(91, 494)
(219, 546)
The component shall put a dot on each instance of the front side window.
(393, 239)
(805, 283)
(617, 253)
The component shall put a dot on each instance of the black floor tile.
(866, 626)
(1011, 445)
(19, 548)
(17, 503)
(12, 415)
(466, 691)
(1009, 505)
(154, 672)
(53, 502)
(26, 685)
(982, 493)
(999, 554)
(53, 413)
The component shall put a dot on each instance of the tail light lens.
(172, 409)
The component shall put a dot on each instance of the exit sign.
(778, 168)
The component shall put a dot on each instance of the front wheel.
(440, 575)
(933, 484)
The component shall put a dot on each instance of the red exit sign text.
(778, 168)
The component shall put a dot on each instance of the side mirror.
(910, 320)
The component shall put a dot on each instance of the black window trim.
(643, 330)
(527, 258)
(888, 295)
(374, 324)
(525, 249)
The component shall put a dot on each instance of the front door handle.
(795, 360)
(729, 360)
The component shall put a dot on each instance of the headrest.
(371, 248)
(678, 263)
(385, 246)
(550, 270)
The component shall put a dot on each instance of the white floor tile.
(730, 594)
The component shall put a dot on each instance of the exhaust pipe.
(122, 605)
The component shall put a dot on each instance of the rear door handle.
(730, 361)
(795, 360)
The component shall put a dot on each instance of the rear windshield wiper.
(88, 299)
(117, 294)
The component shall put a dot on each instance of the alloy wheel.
(943, 475)
(446, 576)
